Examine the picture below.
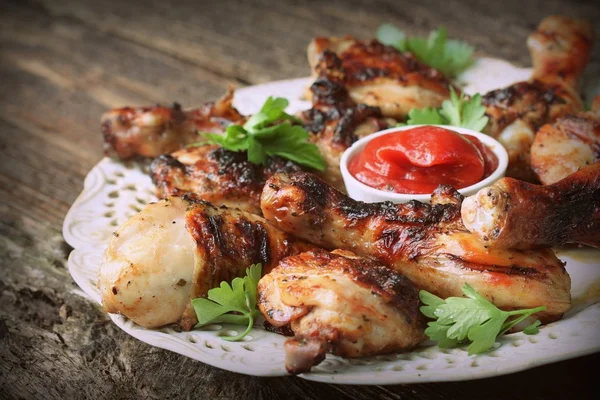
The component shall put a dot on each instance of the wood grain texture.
(63, 63)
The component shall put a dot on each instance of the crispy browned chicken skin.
(560, 49)
(336, 122)
(571, 143)
(227, 178)
(340, 303)
(131, 132)
(517, 214)
(217, 175)
(427, 243)
(379, 75)
(176, 250)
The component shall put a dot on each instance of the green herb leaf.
(533, 328)
(484, 336)
(451, 109)
(389, 35)
(232, 304)
(431, 302)
(448, 56)
(472, 319)
(463, 112)
(271, 111)
(439, 333)
(425, 116)
(457, 111)
(270, 132)
(473, 114)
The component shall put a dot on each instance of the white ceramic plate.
(113, 191)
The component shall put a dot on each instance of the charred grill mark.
(316, 120)
(369, 60)
(236, 165)
(284, 330)
(334, 107)
(317, 195)
(214, 228)
(354, 210)
(329, 91)
(368, 74)
(258, 241)
(394, 288)
(533, 92)
(407, 242)
(446, 194)
(217, 175)
(524, 271)
(349, 121)
(192, 200)
(344, 131)
(161, 169)
(510, 271)
(167, 160)
(316, 192)
(533, 102)
(278, 165)
(413, 212)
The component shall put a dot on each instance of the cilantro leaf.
(270, 132)
(448, 56)
(471, 319)
(457, 111)
(232, 304)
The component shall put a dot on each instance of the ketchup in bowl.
(417, 160)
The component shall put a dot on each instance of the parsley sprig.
(446, 55)
(471, 319)
(270, 132)
(456, 111)
(235, 304)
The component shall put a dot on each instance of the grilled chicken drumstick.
(131, 132)
(426, 243)
(379, 75)
(513, 213)
(560, 49)
(176, 250)
(217, 175)
(340, 303)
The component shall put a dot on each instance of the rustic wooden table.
(63, 63)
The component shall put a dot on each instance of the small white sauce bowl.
(359, 191)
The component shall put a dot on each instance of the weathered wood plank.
(257, 41)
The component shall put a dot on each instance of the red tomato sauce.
(416, 161)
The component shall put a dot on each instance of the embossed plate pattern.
(113, 191)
